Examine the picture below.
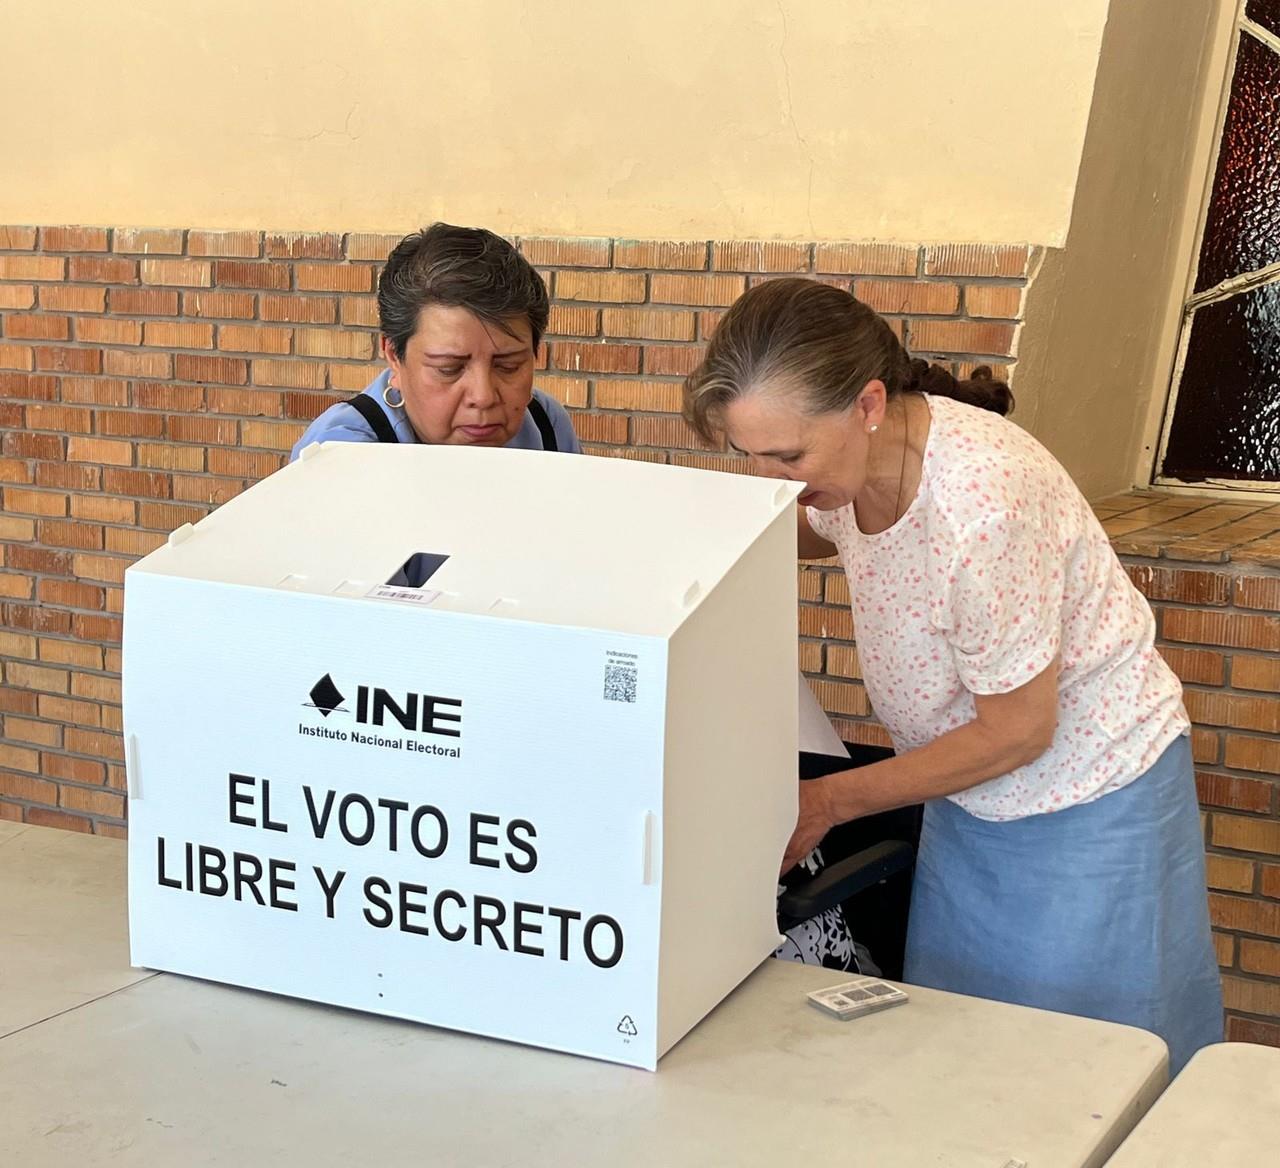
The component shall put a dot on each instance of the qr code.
(619, 681)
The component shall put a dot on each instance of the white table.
(63, 923)
(1223, 1109)
(175, 1071)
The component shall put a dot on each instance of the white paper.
(817, 735)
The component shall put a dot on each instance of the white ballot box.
(496, 740)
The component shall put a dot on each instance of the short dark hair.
(462, 267)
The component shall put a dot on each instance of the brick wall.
(148, 375)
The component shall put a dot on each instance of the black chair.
(868, 866)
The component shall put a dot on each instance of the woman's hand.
(815, 820)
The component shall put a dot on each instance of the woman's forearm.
(955, 761)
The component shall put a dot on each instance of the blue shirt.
(341, 422)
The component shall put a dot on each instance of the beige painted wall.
(934, 120)
(1096, 344)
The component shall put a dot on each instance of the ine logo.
(375, 706)
(326, 697)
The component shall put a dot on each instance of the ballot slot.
(417, 570)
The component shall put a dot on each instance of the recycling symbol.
(627, 1027)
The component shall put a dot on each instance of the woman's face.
(827, 452)
(465, 382)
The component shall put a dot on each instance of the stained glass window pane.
(1226, 423)
(1242, 229)
(1265, 13)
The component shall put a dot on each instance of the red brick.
(668, 360)
(58, 709)
(250, 339)
(1199, 666)
(601, 427)
(622, 287)
(841, 698)
(648, 324)
(993, 300)
(1259, 592)
(17, 444)
(566, 321)
(17, 238)
(300, 245)
(95, 628)
(70, 653)
(1185, 586)
(251, 464)
(667, 432)
(129, 424)
(108, 569)
(169, 456)
(1253, 672)
(1252, 1030)
(648, 396)
(898, 296)
(28, 788)
(250, 402)
(31, 732)
(109, 330)
(64, 419)
(593, 358)
(306, 405)
(958, 336)
(34, 502)
(678, 255)
(44, 620)
(102, 270)
(364, 245)
(143, 301)
(69, 476)
(356, 346)
(707, 291)
(16, 357)
(363, 310)
(1215, 708)
(162, 395)
(289, 374)
(37, 677)
(77, 770)
(42, 387)
(333, 278)
(16, 701)
(181, 273)
(247, 244)
(43, 560)
(352, 378)
(271, 435)
(205, 489)
(126, 364)
(58, 359)
(133, 543)
(18, 267)
(1243, 834)
(145, 484)
(42, 817)
(61, 298)
(221, 370)
(15, 587)
(168, 334)
(102, 450)
(1241, 630)
(976, 259)
(96, 687)
(14, 470)
(1231, 791)
(235, 305)
(73, 238)
(759, 256)
(568, 391)
(17, 296)
(206, 431)
(566, 253)
(12, 527)
(147, 240)
(299, 309)
(866, 259)
(37, 327)
(70, 534)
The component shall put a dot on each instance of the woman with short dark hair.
(462, 314)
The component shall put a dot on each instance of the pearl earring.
(873, 429)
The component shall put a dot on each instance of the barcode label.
(619, 681)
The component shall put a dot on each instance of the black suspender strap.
(545, 428)
(372, 413)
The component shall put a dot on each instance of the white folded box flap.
(817, 735)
